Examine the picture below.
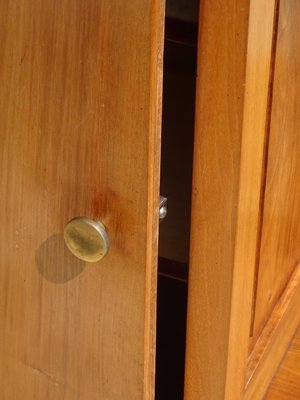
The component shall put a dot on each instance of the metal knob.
(163, 208)
(86, 239)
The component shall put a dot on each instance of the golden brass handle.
(86, 239)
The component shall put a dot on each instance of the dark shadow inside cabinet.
(180, 62)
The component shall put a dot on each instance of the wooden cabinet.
(97, 116)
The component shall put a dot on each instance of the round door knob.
(86, 239)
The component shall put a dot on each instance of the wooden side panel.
(80, 106)
(280, 241)
(235, 48)
(223, 30)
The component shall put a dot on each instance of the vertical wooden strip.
(222, 52)
(228, 161)
(261, 25)
(264, 170)
(156, 85)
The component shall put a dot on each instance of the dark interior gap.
(180, 64)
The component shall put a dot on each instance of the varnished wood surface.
(219, 114)
(80, 109)
(274, 340)
(280, 251)
(262, 23)
(231, 118)
(286, 383)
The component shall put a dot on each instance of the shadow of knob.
(55, 262)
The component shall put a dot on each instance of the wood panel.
(280, 241)
(80, 109)
(231, 119)
(274, 340)
(286, 384)
(219, 114)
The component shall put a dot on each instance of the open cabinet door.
(80, 110)
(244, 283)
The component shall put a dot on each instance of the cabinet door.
(244, 289)
(80, 109)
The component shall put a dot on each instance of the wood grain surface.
(286, 384)
(231, 120)
(280, 241)
(80, 110)
(262, 26)
(273, 342)
(222, 47)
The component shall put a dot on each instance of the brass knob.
(86, 239)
